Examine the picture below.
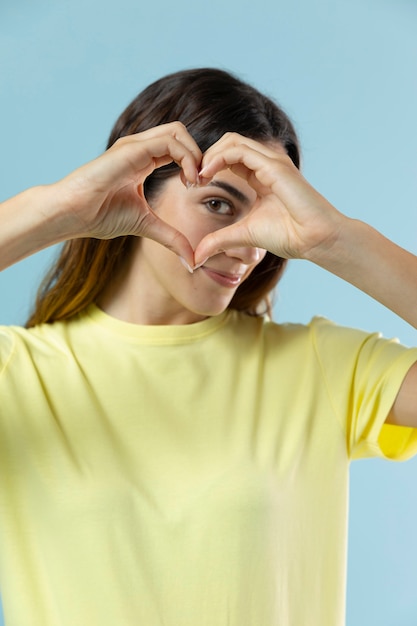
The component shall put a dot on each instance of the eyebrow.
(230, 189)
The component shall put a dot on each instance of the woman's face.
(165, 292)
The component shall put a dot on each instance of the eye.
(219, 206)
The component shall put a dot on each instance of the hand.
(289, 218)
(105, 198)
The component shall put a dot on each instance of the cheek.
(186, 220)
(195, 230)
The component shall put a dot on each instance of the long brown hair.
(209, 102)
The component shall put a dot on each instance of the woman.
(169, 455)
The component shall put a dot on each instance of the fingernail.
(185, 264)
(200, 264)
(191, 185)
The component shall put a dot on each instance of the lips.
(225, 279)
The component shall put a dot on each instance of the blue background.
(345, 71)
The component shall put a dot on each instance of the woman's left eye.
(222, 207)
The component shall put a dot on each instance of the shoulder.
(283, 333)
(19, 345)
(7, 344)
(332, 338)
(327, 340)
(274, 341)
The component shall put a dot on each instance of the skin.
(287, 216)
(102, 199)
(155, 287)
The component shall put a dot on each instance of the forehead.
(235, 185)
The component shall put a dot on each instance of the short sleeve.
(363, 373)
(6, 347)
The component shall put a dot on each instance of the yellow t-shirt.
(190, 475)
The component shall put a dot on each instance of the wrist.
(353, 253)
(334, 243)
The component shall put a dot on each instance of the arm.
(388, 273)
(103, 199)
(28, 224)
(374, 264)
(292, 220)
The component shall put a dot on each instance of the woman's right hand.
(105, 199)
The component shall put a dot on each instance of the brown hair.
(209, 102)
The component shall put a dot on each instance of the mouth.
(223, 278)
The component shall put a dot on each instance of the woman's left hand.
(292, 220)
(289, 218)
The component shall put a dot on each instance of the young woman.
(170, 456)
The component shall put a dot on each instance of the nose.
(247, 254)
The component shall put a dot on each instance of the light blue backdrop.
(345, 71)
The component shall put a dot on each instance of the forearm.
(29, 222)
(365, 258)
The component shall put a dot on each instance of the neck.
(131, 299)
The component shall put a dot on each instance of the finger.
(156, 229)
(179, 131)
(138, 158)
(173, 131)
(268, 148)
(234, 140)
(247, 163)
(233, 236)
(255, 167)
(223, 156)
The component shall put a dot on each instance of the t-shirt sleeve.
(363, 373)
(6, 347)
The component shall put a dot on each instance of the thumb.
(233, 236)
(156, 229)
